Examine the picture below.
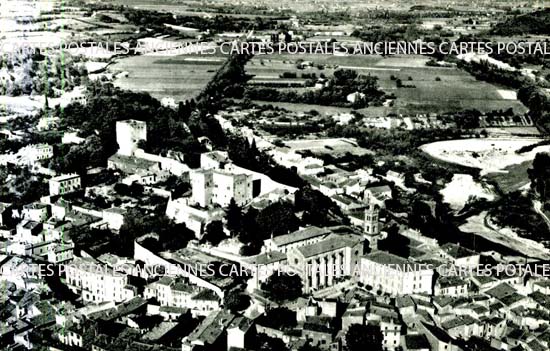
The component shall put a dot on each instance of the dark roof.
(450, 280)
(416, 342)
(500, 291)
(299, 235)
(212, 327)
(437, 332)
(330, 244)
(457, 251)
(266, 258)
(242, 323)
(207, 295)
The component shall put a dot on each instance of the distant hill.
(537, 22)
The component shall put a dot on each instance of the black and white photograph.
(261, 175)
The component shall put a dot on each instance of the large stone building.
(219, 187)
(65, 184)
(31, 154)
(128, 135)
(395, 275)
(97, 283)
(176, 292)
(322, 263)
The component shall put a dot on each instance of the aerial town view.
(292, 175)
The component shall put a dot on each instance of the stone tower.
(128, 135)
(371, 225)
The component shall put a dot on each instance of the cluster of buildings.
(349, 273)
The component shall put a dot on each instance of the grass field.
(178, 77)
(513, 178)
(182, 77)
(455, 90)
(336, 147)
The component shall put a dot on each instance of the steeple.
(371, 221)
(371, 224)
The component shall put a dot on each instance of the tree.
(122, 189)
(364, 337)
(309, 347)
(344, 76)
(395, 243)
(319, 209)
(539, 174)
(279, 318)
(136, 189)
(251, 249)
(234, 217)
(173, 236)
(421, 215)
(277, 219)
(177, 186)
(236, 301)
(249, 228)
(283, 286)
(213, 233)
(268, 343)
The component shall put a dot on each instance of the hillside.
(537, 22)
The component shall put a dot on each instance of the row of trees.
(408, 33)
(218, 23)
(245, 154)
(335, 93)
(529, 93)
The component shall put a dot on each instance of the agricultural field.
(178, 77)
(335, 147)
(433, 89)
(513, 177)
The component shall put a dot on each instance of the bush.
(282, 286)
(249, 250)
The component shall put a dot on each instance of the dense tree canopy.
(318, 209)
(283, 286)
(539, 175)
(236, 300)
